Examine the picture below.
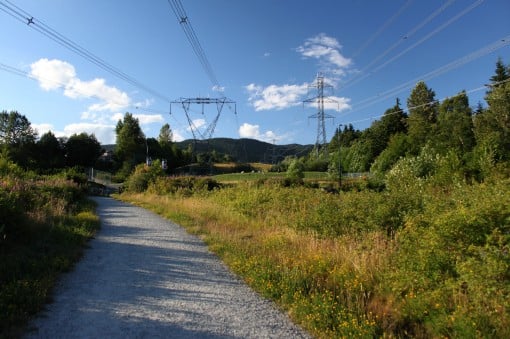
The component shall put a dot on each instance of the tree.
(295, 171)
(397, 147)
(422, 107)
(165, 135)
(392, 122)
(492, 128)
(454, 128)
(18, 137)
(50, 152)
(82, 150)
(502, 74)
(492, 125)
(130, 148)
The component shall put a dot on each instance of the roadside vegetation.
(45, 222)
(415, 244)
(417, 247)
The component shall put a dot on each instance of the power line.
(191, 35)
(438, 71)
(428, 103)
(368, 70)
(23, 16)
(22, 73)
(382, 28)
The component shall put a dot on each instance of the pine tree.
(422, 107)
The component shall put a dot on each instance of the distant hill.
(242, 150)
(247, 150)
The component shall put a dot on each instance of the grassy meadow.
(426, 257)
(44, 224)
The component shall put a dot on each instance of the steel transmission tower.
(320, 115)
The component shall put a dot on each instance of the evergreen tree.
(130, 142)
(502, 73)
(422, 107)
(492, 125)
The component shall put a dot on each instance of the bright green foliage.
(454, 130)
(398, 145)
(296, 170)
(493, 125)
(143, 175)
(422, 107)
(130, 144)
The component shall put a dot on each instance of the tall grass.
(44, 223)
(419, 261)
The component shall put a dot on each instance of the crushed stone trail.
(145, 277)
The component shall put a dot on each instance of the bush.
(142, 176)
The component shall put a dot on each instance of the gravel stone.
(145, 277)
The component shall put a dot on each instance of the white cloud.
(247, 130)
(104, 133)
(177, 136)
(266, 54)
(218, 88)
(42, 129)
(327, 50)
(55, 74)
(52, 74)
(334, 103)
(143, 119)
(196, 124)
(275, 97)
(146, 119)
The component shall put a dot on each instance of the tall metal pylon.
(321, 117)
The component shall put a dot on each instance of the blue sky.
(265, 54)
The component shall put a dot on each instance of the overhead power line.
(429, 103)
(186, 26)
(382, 28)
(23, 16)
(438, 71)
(373, 67)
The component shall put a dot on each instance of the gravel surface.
(145, 277)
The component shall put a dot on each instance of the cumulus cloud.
(247, 130)
(104, 133)
(196, 124)
(327, 50)
(275, 96)
(54, 74)
(42, 129)
(334, 103)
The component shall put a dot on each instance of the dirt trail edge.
(145, 277)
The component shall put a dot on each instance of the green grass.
(39, 244)
(239, 177)
(416, 260)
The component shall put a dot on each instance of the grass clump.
(425, 257)
(44, 225)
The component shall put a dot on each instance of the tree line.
(20, 143)
(478, 137)
(475, 135)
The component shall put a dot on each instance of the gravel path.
(145, 277)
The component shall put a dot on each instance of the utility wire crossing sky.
(73, 67)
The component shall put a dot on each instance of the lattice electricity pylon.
(209, 131)
(320, 115)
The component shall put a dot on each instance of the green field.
(253, 176)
